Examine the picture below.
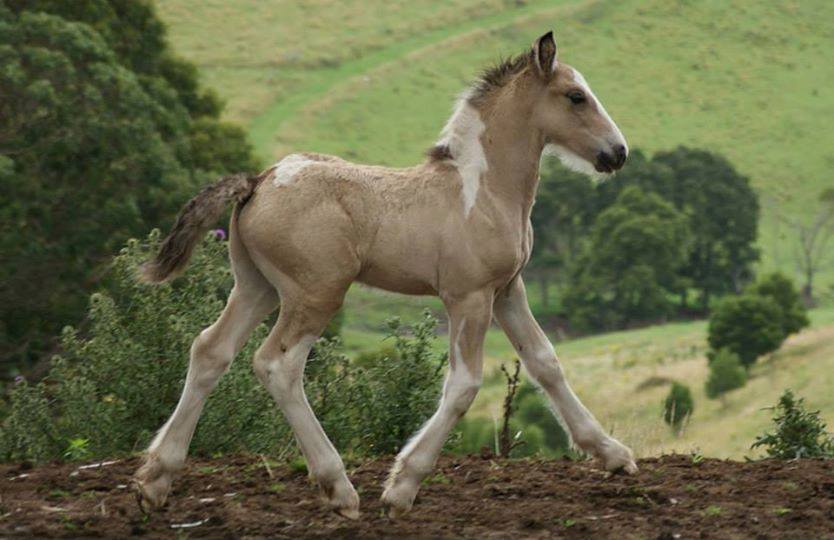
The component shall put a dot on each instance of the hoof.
(616, 457)
(151, 485)
(342, 499)
(349, 513)
(149, 499)
(398, 500)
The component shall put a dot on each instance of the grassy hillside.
(374, 81)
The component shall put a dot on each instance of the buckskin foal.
(456, 226)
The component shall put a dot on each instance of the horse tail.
(193, 222)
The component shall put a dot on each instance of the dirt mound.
(671, 497)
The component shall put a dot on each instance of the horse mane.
(498, 75)
(491, 79)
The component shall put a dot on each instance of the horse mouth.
(607, 163)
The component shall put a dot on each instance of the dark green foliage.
(678, 406)
(118, 381)
(631, 265)
(722, 213)
(399, 387)
(748, 325)
(798, 433)
(103, 135)
(565, 209)
(794, 314)
(725, 373)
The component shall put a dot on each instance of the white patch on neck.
(287, 169)
(462, 135)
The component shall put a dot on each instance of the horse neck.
(513, 151)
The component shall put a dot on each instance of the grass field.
(374, 81)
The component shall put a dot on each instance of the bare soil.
(239, 497)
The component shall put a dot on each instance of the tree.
(725, 373)
(794, 315)
(813, 242)
(723, 215)
(722, 212)
(748, 325)
(564, 210)
(630, 265)
(678, 406)
(103, 135)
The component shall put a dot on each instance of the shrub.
(678, 406)
(117, 382)
(748, 325)
(794, 316)
(725, 373)
(798, 433)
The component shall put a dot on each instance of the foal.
(456, 226)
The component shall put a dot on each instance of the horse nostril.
(619, 155)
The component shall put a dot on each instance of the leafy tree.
(794, 316)
(725, 373)
(747, 325)
(799, 433)
(678, 406)
(564, 210)
(630, 265)
(722, 212)
(103, 135)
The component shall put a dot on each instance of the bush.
(117, 382)
(794, 316)
(725, 373)
(678, 406)
(798, 434)
(748, 325)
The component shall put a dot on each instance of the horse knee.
(280, 373)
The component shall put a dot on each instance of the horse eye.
(576, 97)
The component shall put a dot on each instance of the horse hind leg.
(279, 364)
(212, 352)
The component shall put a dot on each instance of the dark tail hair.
(193, 221)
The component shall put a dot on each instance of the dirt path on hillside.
(671, 497)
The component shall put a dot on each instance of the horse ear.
(544, 55)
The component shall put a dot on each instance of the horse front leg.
(469, 318)
(513, 314)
